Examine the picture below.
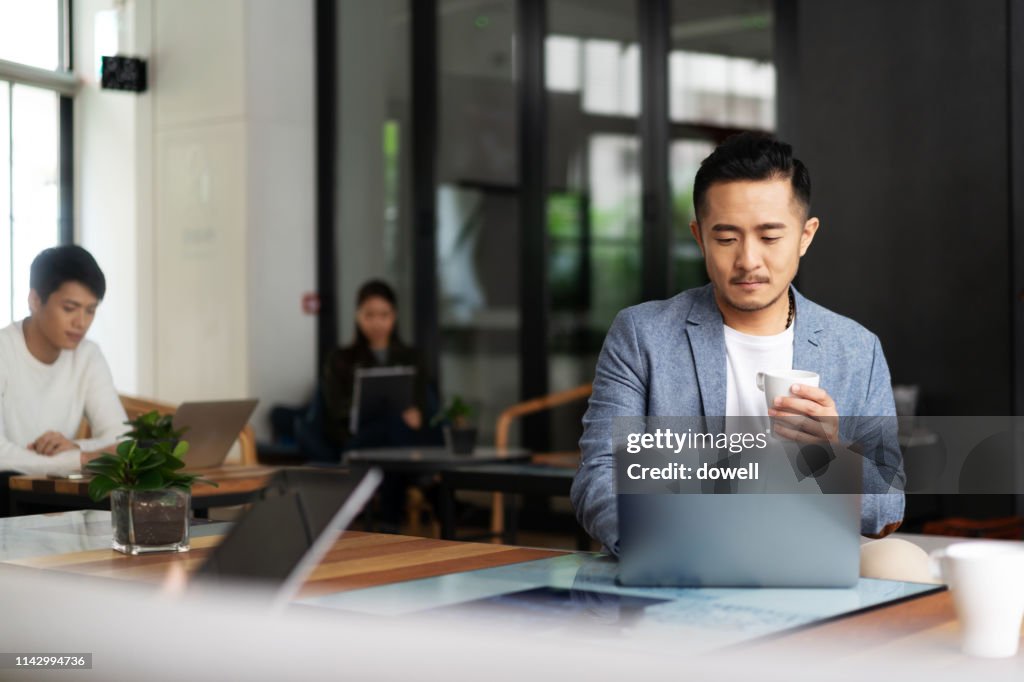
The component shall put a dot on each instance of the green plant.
(458, 413)
(151, 459)
(153, 426)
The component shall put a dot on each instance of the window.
(722, 90)
(34, 196)
(721, 80)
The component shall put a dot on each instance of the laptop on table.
(740, 540)
(213, 427)
(282, 538)
(797, 526)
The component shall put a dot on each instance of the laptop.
(380, 391)
(739, 540)
(282, 538)
(213, 427)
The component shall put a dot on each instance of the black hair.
(751, 156)
(69, 263)
(375, 288)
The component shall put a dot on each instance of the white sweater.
(36, 398)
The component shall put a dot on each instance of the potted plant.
(150, 497)
(459, 432)
(152, 427)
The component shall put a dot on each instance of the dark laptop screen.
(268, 542)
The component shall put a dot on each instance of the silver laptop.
(281, 539)
(739, 540)
(213, 427)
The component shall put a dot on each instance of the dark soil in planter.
(155, 523)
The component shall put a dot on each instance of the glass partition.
(478, 207)
(374, 233)
(594, 222)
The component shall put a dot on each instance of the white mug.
(777, 382)
(986, 579)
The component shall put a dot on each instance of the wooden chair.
(135, 407)
(560, 459)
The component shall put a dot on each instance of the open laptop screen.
(283, 536)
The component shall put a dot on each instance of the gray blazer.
(667, 358)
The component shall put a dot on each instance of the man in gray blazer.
(697, 353)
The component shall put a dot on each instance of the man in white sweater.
(51, 377)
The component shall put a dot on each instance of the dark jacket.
(339, 383)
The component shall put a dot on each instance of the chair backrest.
(134, 407)
(504, 423)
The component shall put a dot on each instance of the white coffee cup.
(986, 579)
(777, 382)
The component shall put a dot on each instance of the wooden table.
(884, 626)
(360, 560)
(357, 560)
(916, 637)
(235, 485)
(920, 636)
(926, 625)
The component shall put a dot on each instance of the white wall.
(281, 200)
(198, 62)
(197, 198)
(106, 201)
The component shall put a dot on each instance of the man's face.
(66, 316)
(752, 234)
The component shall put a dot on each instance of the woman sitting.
(377, 344)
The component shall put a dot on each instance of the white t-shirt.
(745, 356)
(36, 398)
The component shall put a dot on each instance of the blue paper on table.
(380, 391)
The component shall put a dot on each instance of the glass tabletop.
(23, 537)
(578, 592)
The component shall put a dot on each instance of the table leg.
(446, 502)
(511, 534)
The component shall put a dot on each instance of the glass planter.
(150, 520)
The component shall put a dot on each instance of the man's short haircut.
(69, 263)
(751, 156)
